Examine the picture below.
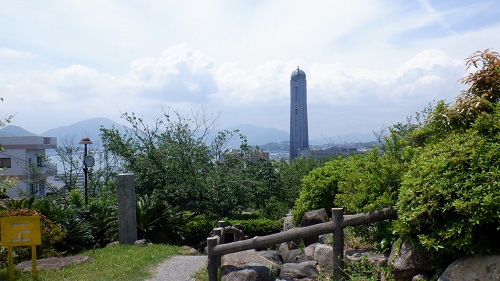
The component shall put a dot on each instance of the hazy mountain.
(87, 128)
(259, 135)
(255, 135)
(14, 131)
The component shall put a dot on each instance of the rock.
(323, 254)
(314, 217)
(311, 218)
(186, 250)
(273, 256)
(420, 277)
(288, 223)
(247, 266)
(141, 243)
(482, 268)
(367, 256)
(308, 253)
(247, 273)
(113, 244)
(299, 270)
(288, 255)
(407, 261)
(52, 263)
(326, 238)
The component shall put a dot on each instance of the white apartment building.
(24, 158)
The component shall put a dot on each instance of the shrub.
(318, 189)
(198, 228)
(258, 227)
(450, 197)
(157, 221)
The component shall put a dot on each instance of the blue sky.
(369, 64)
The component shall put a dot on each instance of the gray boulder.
(323, 254)
(273, 256)
(482, 268)
(366, 256)
(141, 243)
(308, 253)
(247, 266)
(326, 238)
(288, 223)
(288, 255)
(407, 261)
(299, 270)
(314, 217)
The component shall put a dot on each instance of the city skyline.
(369, 64)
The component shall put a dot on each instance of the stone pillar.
(127, 220)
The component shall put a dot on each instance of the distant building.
(299, 134)
(251, 156)
(256, 156)
(24, 158)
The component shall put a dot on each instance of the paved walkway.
(179, 268)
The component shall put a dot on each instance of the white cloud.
(367, 64)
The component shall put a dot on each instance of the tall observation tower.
(299, 136)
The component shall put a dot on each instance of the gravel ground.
(179, 268)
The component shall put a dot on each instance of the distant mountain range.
(91, 128)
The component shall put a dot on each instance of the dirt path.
(179, 268)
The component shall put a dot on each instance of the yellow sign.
(21, 231)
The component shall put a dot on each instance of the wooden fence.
(216, 250)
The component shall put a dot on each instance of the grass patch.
(123, 262)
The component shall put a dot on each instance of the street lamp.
(88, 161)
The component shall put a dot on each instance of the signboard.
(21, 231)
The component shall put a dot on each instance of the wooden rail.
(336, 226)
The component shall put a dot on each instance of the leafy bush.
(259, 227)
(157, 221)
(318, 189)
(450, 196)
(77, 229)
(198, 228)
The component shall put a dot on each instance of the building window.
(5, 163)
(34, 187)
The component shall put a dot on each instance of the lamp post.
(88, 161)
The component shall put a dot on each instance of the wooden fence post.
(212, 266)
(338, 243)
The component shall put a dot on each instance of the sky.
(369, 64)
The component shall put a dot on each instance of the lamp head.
(85, 140)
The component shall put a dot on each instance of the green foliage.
(197, 228)
(157, 221)
(318, 189)
(77, 229)
(481, 96)
(258, 227)
(172, 161)
(450, 196)
(102, 214)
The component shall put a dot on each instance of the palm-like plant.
(157, 221)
